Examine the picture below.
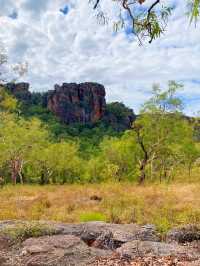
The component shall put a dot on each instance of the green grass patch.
(92, 216)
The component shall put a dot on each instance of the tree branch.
(96, 4)
(148, 19)
(151, 7)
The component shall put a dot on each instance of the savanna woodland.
(161, 144)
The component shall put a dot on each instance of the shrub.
(22, 231)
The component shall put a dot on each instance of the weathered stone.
(5, 242)
(188, 233)
(58, 250)
(92, 231)
(94, 243)
(6, 223)
(139, 248)
(3, 258)
(106, 241)
(77, 103)
(118, 233)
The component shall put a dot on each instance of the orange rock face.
(77, 103)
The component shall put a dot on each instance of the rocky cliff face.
(82, 103)
(19, 90)
(77, 103)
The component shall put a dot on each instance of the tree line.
(160, 143)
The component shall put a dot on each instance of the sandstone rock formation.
(92, 243)
(184, 234)
(80, 103)
(58, 250)
(139, 248)
(109, 236)
(19, 90)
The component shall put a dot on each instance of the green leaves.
(7, 102)
(150, 21)
(164, 136)
(164, 101)
(194, 9)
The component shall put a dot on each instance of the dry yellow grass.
(163, 205)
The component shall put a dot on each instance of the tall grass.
(165, 205)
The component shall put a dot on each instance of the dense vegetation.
(37, 148)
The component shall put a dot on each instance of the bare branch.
(96, 4)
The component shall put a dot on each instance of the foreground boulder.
(93, 243)
(139, 248)
(109, 236)
(188, 233)
(58, 250)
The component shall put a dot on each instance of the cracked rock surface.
(94, 243)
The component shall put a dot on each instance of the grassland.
(163, 205)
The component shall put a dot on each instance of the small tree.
(161, 132)
(117, 155)
(17, 140)
(57, 163)
(64, 162)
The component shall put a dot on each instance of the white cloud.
(75, 48)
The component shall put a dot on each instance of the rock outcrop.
(77, 103)
(71, 103)
(139, 248)
(184, 234)
(19, 90)
(58, 250)
(93, 243)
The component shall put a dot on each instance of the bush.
(22, 231)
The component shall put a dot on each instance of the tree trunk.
(21, 178)
(145, 159)
(44, 179)
(16, 170)
(142, 176)
(189, 169)
(13, 172)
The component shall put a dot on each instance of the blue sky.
(62, 41)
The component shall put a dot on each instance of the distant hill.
(72, 103)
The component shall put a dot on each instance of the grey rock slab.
(148, 248)
(120, 232)
(58, 250)
(92, 230)
(184, 234)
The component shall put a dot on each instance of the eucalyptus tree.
(147, 19)
(18, 138)
(164, 136)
